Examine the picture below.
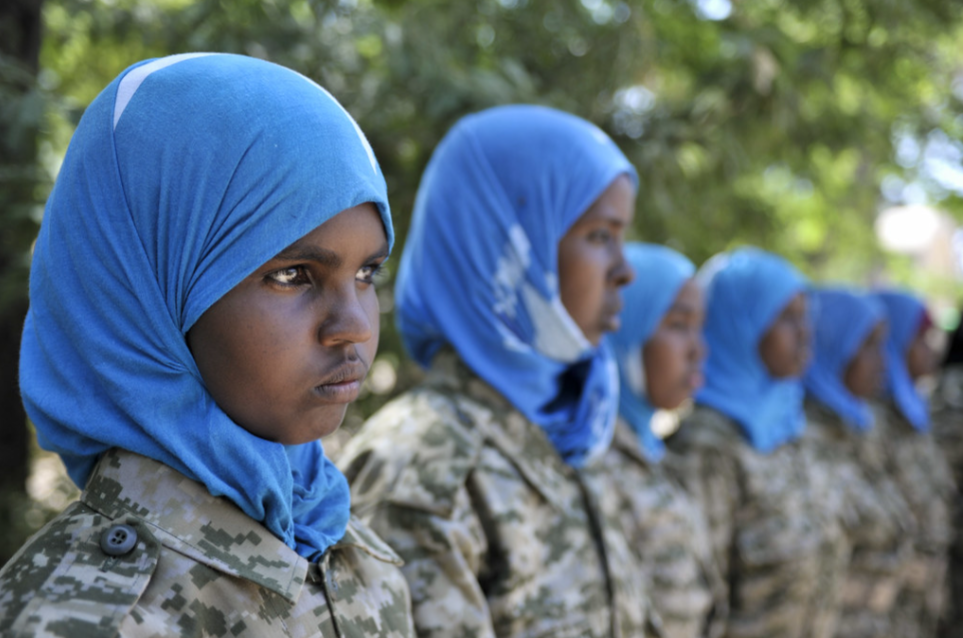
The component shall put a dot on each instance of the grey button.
(117, 540)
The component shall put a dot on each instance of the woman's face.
(591, 267)
(863, 376)
(285, 351)
(673, 355)
(785, 347)
(920, 357)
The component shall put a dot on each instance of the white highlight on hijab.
(133, 80)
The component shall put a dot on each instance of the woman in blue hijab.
(844, 447)
(736, 451)
(202, 312)
(916, 463)
(486, 478)
(660, 353)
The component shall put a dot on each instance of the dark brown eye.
(291, 276)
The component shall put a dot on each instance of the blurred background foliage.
(789, 124)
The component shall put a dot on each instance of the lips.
(343, 383)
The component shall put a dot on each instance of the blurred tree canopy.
(783, 123)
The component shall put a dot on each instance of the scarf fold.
(480, 267)
(185, 175)
(843, 319)
(745, 292)
(905, 314)
(660, 273)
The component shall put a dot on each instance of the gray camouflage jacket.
(499, 536)
(859, 492)
(922, 474)
(196, 566)
(669, 532)
(947, 405)
(778, 551)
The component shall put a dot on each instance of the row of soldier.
(203, 310)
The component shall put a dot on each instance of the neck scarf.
(905, 315)
(185, 175)
(480, 268)
(660, 273)
(745, 292)
(843, 319)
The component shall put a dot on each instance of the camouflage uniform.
(923, 476)
(669, 532)
(499, 536)
(948, 429)
(854, 487)
(778, 552)
(199, 567)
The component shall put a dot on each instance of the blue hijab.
(843, 319)
(660, 273)
(480, 267)
(904, 312)
(186, 174)
(745, 292)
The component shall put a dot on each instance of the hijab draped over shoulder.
(185, 175)
(842, 320)
(480, 267)
(660, 273)
(905, 314)
(745, 292)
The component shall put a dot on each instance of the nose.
(348, 318)
(622, 273)
(700, 349)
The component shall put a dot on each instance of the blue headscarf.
(905, 313)
(186, 174)
(660, 273)
(480, 267)
(746, 290)
(843, 319)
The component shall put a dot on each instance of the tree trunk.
(20, 33)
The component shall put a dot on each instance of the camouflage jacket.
(854, 487)
(667, 529)
(922, 473)
(499, 536)
(198, 566)
(778, 552)
(947, 407)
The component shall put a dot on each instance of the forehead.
(616, 204)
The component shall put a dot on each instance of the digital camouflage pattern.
(499, 536)
(777, 550)
(200, 567)
(922, 474)
(876, 519)
(667, 529)
(947, 406)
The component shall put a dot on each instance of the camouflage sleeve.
(444, 557)
(713, 481)
(62, 583)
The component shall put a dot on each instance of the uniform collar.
(186, 518)
(626, 441)
(524, 444)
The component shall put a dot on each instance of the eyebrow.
(322, 256)
(682, 307)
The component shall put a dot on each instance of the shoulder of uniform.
(79, 575)
(417, 451)
(706, 427)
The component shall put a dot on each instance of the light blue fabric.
(843, 319)
(480, 267)
(745, 292)
(660, 273)
(904, 314)
(184, 176)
